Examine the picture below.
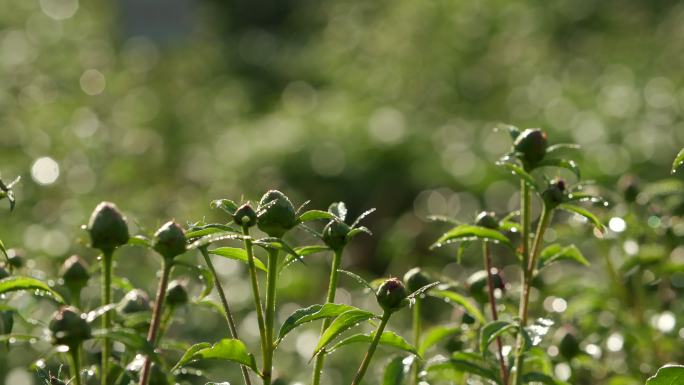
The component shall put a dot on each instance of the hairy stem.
(371, 349)
(106, 295)
(75, 358)
(226, 307)
(492, 305)
(417, 329)
(156, 317)
(249, 248)
(332, 289)
(271, 282)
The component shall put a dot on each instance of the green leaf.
(387, 338)
(562, 163)
(313, 215)
(394, 372)
(551, 150)
(422, 290)
(360, 218)
(520, 173)
(338, 209)
(465, 362)
(129, 338)
(491, 331)
(435, 335)
(537, 377)
(668, 375)
(311, 313)
(212, 228)
(211, 238)
(302, 251)
(343, 322)
(556, 253)
(455, 298)
(357, 278)
(469, 233)
(226, 350)
(584, 213)
(237, 254)
(226, 205)
(139, 240)
(678, 162)
(17, 283)
(356, 231)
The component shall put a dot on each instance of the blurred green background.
(162, 106)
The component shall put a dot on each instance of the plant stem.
(226, 307)
(74, 355)
(492, 305)
(166, 320)
(417, 325)
(271, 282)
(255, 291)
(107, 257)
(524, 251)
(156, 317)
(332, 289)
(371, 349)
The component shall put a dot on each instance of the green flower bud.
(531, 144)
(391, 295)
(416, 278)
(15, 258)
(629, 187)
(569, 346)
(245, 216)
(3, 273)
(176, 294)
(487, 219)
(335, 234)
(75, 273)
(554, 193)
(69, 327)
(134, 301)
(276, 214)
(169, 240)
(107, 227)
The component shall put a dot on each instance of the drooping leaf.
(678, 162)
(312, 313)
(520, 173)
(470, 232)
(562, 163)
(302, 251)
(466, 362)
(357, 278)
(435, 335)
(387, 338)
(491, 331)
(668, 375)
(584, 213)
(237, 254)
(455, 298)
(343, 322)
(225, 350)
(17, 283)
(313, 215)
(556, 253)
(394, 372)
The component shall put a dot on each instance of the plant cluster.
(495, 334)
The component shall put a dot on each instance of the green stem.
(492, 305)
(249, 248)
(332, 289)
(156, 317)
(107, 257)
(417, 325)
(74, 356)
(166, 320)
(371, 349)
(226, 307)
(271, 282)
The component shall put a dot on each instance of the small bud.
(15, 258)
(276, 214)
(416, 278)
(245, 216)
(335, 234)
(169, 240)
(568, 346)
(531, 144)
(75, 273)
(629, 187)
(107, 227)
(134, 301)
(391, 295)
(176, 294)
(68, 327)
(487, 219)
(554, 193)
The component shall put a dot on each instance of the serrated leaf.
(561, 163)
(387, 338)
(471, 232)
(436, 334)
(237, 254)
(342, 323)
(520, 173)
(678, 162)
(491, 331)
(302, 251)
(225, 350)
(668, 375)
(18, 283)
(556, 253)
(357, 278)
(584, 213)
(311, 313)
(455, 298)
(313, 215)
(394, 372)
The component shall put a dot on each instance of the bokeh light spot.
(45, 170)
